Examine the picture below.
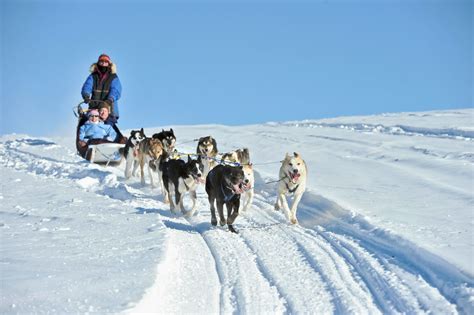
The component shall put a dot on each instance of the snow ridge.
(391, 130)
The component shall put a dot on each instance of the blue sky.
(234, 62)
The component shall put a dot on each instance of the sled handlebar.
(78, 110)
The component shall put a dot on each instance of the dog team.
(226, 178)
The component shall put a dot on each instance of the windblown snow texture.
(385, 225)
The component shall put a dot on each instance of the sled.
(105, 153)
(98, 151)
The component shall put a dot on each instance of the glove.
(112, 119)
(87, 99)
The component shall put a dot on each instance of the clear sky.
(234, 62)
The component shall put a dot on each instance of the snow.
(386, 225)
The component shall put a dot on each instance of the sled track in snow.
(240, 272)
(335, 262)
(353, 234)
(358, 282)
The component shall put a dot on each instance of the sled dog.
(249, 182)
(149, 150)
(131, 152)
(224, 184)
(293, 174)
(241, 156)
(207, 151)
(180, 177)
(167, 138)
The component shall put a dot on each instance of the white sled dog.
(131, 152)
(249, 182)
(293, 173)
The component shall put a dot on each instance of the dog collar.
(292, 191)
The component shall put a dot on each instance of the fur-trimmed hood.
(113, 67)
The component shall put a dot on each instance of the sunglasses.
(103, 61)
(94, 116)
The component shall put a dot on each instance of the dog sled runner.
(98, 151)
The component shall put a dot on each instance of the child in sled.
(94, 131)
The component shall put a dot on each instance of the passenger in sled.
(108, 119)
(94, 131)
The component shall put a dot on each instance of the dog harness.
(292, 191)
(227, 197)
(184, 181)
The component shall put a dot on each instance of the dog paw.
(214, 222)
(231, 228)
(294, 221)
(277, 207)
(222, 222)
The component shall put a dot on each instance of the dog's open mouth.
(200, 180)
(246, 187)
(294, 177)
(238, 188)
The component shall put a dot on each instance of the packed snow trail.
(143, 258)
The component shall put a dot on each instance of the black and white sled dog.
(293, 173)
(207, 152)
(224, 184)
(180, 177)
(168, 140)
(131, 152)
(242, 157)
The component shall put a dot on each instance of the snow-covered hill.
(386, 225)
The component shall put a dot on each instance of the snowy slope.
(385, 225)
